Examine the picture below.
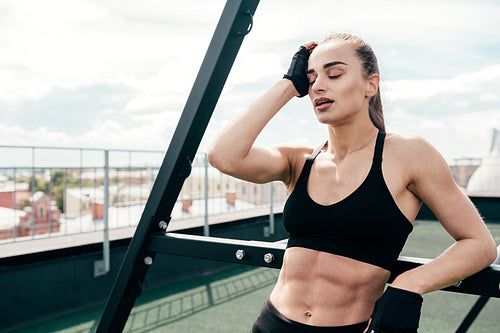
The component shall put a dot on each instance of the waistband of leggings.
(354, 328)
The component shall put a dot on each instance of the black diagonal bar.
(472, 315)
(233, 25)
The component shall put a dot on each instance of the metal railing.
(56, 191)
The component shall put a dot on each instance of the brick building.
(41, 218)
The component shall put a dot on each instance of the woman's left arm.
(474, 249)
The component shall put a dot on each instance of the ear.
(372, 85)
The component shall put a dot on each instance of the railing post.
(102, 267)
(105, 247)
(33, 192)
(50, 202)
(206, 228)
(14, 230)
(94, 205)
(129, 204)
(65, 201)
(81, 188)
(271, 210)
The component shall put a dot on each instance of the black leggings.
(270, 320)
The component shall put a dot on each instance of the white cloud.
(152, 131)
(54, 14)
(455, 136)
(156, 48)
(488, 97)
(256, 66)
(407, 22)
(455, 114)
(484, 83)
(16, 135)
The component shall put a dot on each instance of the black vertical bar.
(472, 315)
(234, 23)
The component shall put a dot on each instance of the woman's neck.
(344, 140)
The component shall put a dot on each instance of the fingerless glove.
(397, 311)
(297, 73)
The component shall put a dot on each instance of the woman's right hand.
(297, 72)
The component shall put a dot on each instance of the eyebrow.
(330, 64)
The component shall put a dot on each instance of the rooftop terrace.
(229, 301)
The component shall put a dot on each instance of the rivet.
(268, 258)
(162, 225)
(148, 261)
(240, 254)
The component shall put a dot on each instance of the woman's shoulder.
(296, 156)
(409, 145)
(298, 153)
(414, 152)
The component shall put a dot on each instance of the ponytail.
(376, 112)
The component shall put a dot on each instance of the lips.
(322, 104)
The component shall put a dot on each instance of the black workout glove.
(297, 73)
(397, 311)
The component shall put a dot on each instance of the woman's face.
(338, 88)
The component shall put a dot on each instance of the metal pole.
(129, 204)
(94, 204)
(65, 201)
(206, 229)
(81, 189)
(105, 244)
(32, 192)
(50, 202)
(271, 212)
(14, 230)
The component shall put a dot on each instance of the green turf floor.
(230, 301)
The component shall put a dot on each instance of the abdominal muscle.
(323, 289)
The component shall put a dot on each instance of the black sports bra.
(367, 225)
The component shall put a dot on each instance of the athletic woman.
(352, 201)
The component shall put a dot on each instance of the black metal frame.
(485, 283)
(255, 253)
(472, 315)
(234, 23)
(150, 238)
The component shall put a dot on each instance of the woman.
(352, 201)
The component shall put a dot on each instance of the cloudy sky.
(116, 74)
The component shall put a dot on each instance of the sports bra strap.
(316, 151)
(379, 146)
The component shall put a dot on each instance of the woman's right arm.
(233, 151)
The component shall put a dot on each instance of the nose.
(319, 84)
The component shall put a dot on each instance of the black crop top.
(367, 225)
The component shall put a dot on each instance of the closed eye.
(311, 78)
(329, 76)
